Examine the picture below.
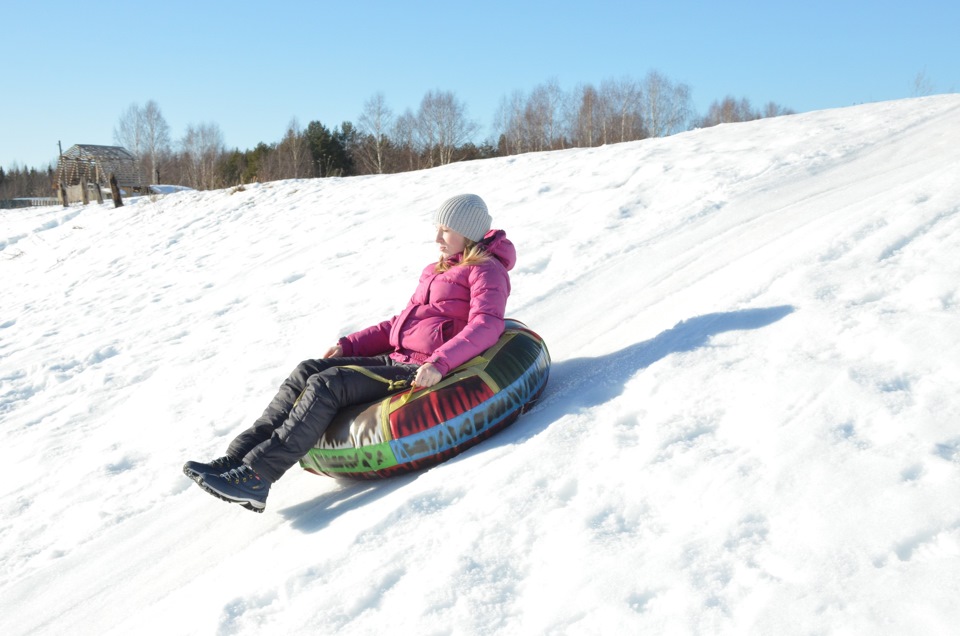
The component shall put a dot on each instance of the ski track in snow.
(750, 425)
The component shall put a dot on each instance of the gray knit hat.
(465, 214)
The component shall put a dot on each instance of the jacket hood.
(498, 245)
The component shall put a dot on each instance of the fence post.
(115, 191)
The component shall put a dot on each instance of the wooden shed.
(85, 168)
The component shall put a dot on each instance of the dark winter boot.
(240, 485)
(194, 470)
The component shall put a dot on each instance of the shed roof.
(96, 164)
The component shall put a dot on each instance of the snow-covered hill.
(751, 425)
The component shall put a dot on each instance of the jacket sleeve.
(489, 289)
(371, 341)
(375, 340)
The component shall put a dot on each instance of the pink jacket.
(451, 317)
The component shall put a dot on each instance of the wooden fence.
(27, 202)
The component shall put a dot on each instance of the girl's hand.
(334, 352)
(427, 376)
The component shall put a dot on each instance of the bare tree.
(374, 123)
(145, 133)
(405, 138)
(620, 101)
(584, 116)
(542, 116)
(922, 85)
(772, 109)
(666, 106)
(293, 153)
(129, 130)
(442, 126)
(531, 124)
(156, 140)
(729, 110)
(202, 147)
(269, 166)
(509, 123)
(621, 110)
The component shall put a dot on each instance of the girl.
(455, 314)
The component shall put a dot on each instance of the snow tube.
(415, 429)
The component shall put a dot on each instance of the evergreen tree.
(348, 137)
(257, 163)
(329, 149)
(232, 166)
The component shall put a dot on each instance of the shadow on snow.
(582, 383)
(574, 385)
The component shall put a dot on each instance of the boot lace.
(241, 474)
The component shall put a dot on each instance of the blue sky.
(251, 67)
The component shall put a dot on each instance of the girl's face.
(450, 242)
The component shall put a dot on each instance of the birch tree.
(584, 116)
(620, 102)
(542, 117)
(442, 125)
(293, 153)
(405, 139)
(145, 133)
(508, 121)
(156, 141)
(202, 148)
(374, 122)
(666, 106)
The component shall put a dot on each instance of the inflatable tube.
(415, 429)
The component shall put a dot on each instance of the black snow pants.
(306, 404)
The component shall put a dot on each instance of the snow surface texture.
(750, 428)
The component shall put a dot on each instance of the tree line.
(439, 132)
(20, 181)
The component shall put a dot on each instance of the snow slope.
(751, 423)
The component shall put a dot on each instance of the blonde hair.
(473, 254)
